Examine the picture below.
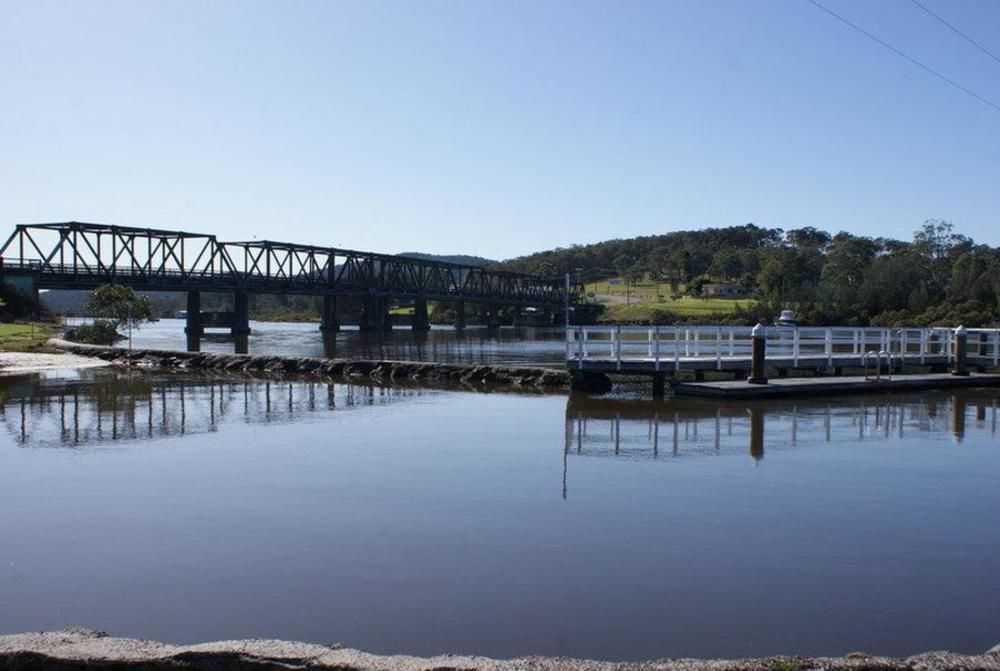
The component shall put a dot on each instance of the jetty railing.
(673, 347)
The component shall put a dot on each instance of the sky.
(496, 128)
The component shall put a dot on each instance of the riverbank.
(18, 363)
(84, 649)
(380, 371)
(25, 337)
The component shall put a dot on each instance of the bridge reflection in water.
(630, 429)
(108, 407)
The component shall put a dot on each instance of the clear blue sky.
(495, 128)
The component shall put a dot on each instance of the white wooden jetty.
(666, 351)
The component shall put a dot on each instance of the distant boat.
(181, 314)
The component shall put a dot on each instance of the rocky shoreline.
(382, 372)
(84, 649)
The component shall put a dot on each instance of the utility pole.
(567, 300)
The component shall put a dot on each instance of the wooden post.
(659, 384)
(961, 343)
(758, 355)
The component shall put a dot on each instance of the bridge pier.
(492, 317)
(459, 316)
(329, 324)
(193, 327)
(421, 321)
(375, 315)
(241, 314)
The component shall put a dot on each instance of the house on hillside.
(723, 290)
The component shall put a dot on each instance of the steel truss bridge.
(75, 255)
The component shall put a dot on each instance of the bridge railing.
(671, 346)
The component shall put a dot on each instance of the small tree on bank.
(113, 307)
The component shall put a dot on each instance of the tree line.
(938, 277)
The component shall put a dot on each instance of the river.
(544, 346)
(188, 508)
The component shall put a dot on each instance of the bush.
(16, 304)
(101, 332)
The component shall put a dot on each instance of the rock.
(475, 375)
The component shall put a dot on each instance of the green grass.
(25, 337)
(644, 298)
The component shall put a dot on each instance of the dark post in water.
(758, 354)
(961, 344)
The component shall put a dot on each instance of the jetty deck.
(887, 358)
(852, 384)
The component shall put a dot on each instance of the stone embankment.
(73, 649)
(373, 371)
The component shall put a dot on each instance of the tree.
(808, 236)
(119, 306)
(847, 260)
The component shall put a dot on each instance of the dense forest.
(940, 277)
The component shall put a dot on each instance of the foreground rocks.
(377, 371)
(84, 649)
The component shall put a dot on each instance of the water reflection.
(108, 406)
(325, 512)
(688, 428)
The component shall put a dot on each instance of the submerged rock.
(378, 371)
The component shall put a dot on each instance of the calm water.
(189, 509)
(515, 346)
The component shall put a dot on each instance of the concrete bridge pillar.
(329, 345)
(492, 317)
(329, 323)
(459, 316)
(193, 327)
(375, 315)
(241, 314)
(421, 320)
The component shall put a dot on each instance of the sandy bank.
(17, 363)
(80, 648)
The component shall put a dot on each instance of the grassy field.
(24, 337)
(639, 302)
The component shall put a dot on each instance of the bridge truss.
(75, 255)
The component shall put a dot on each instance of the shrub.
(101, 332)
